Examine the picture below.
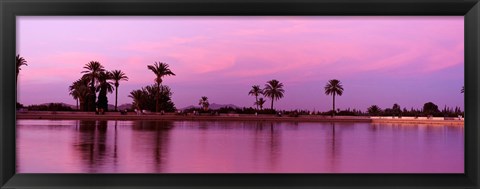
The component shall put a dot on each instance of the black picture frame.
(9, 9)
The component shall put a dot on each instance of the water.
(72, 146)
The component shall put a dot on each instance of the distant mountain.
(111, 107)
(218, 106)
(189, 107)
(212, 106)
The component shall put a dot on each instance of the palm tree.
(160, 69)
(274, 90)
(462, 90)
(74, 93)
(104, 81)
(118, 75)
(164, 95)
(138, 97)
(165, 90)
(204, 103)
(105, 86)
(255, 91)
(79, 91)
(334, 87)
(20, 61)
(92, 72)
(260, 103)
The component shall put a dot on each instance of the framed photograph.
(239, 94)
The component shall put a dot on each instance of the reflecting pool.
(82, 146)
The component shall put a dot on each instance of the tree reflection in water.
(153, 134)
(96, 150)
(274, 146)
(333, 152)
(88, 146)
(90, 143)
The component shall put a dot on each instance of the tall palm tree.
(255, 91)
(118, 75)
(20, 61)
(92, 72)
(334, 87)
(462, 90)
(204, 103)
(104, 82)
(105, 86)
(274, 90)
(160, 69)
(260, 103)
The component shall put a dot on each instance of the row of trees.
(143, 98)
(429, 109)
(274, 90)
(96, 79)
(158, 93)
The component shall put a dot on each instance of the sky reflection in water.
(72, 146)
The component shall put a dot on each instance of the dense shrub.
(50, 107)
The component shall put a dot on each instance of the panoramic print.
(240, 94)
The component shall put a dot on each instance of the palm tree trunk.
(333, 110)
(271, 107)
(77, 103)
(157, 99)
(82, 104)
(256, 100)
(94, 95)
(116, 96)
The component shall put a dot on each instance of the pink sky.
(379, 60)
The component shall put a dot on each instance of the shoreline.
(233, 117)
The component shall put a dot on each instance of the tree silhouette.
(430, 108)
(274, 90)
(374, 110)
(20, 61)
(255, 91)
(138, 97)
(396, 110)
(160, 69)
(204, 103)
(105, 86)
(142, 98)
(92, 72)
(117, 76)
(334, 87)
(260, 103)
(79, 91)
